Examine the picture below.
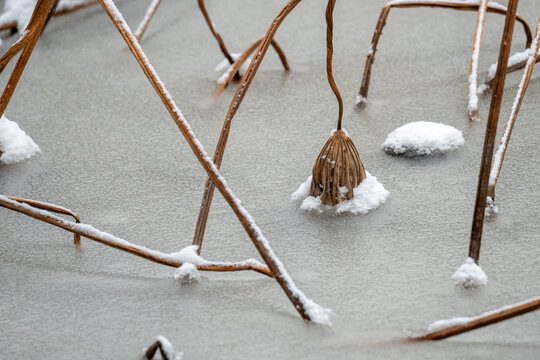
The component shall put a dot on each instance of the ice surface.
(16, 146)
(368, 196)
(423, 138)
(469, 275)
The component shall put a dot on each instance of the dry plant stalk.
(481, 321)
(514, 67)
(233, 108)
(473, 66)
(491, 131)
(154, 256)
(237, 64)
(507, 133)
(338, 169)
(454, 5)
(25, 45)
(297, 298)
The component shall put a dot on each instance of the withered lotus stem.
(337, 170)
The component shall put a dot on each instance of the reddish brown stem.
(233, 107)
(491, 131)
(364, 87)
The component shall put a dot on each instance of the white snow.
(15, 145)
(361, 101)
(368, 195)
(473, 76)
(187, 274)
(317, 314)
(448, 323)
(512, 60)
(20, 11)
(168, 349)
(227, 68)
(470, 275)
(498, 157)
(423, 138)
(491, 208)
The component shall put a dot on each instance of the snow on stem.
(146, 20)
(443, 329)
(473, 68)
(524, 83)
(165, 348)
(491, 131)
(42, 211)
(306, 308)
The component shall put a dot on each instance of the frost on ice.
(470, 275)
(368, 195)
(423, 138)
(15, 145)
(20, 11)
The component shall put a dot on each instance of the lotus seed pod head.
(337, 170)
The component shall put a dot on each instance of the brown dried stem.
(242, 59)
(109, 240)
(507, 133)
(481, 321)
(491, 131)
(329, 55)
(255, 234)
(147, 17)
(233, 107)
(514, 67)
(25, 45)
(473, 66)
(364, 87)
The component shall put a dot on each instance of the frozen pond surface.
(111, 153)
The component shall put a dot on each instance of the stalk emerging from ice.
(473, 69)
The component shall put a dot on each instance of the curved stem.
(452, 5)
(329, 55)
(35, 210)
(218, 38)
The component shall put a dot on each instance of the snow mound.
(187, 274)
(423, 138)
(470, 275)
(447, 323)
(368, 195)
(16, 146)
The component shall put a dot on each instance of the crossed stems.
(243, 87)
(518, 100)
(491, 132)
(454, 5)
(33, 210)
(25, 45)
(236, 64)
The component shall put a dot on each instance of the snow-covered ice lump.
(368, 195)
(15, 145)
(423, 138)
(470, 275)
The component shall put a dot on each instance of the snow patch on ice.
(187, 274)
(423, 138)
(470, 275)
(368, 195)
(15, 145)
